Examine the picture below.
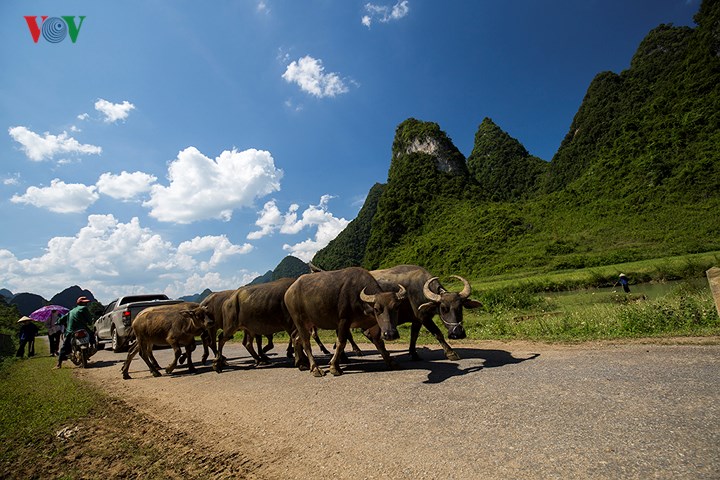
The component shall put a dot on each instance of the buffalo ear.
(467, 303)
(428, 307)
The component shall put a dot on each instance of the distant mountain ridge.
(27, 303)
(637, 176)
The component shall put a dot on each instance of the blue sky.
(182, 145)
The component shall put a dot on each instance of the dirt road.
(506, 410)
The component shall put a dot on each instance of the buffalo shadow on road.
(432, 359)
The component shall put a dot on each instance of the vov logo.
(54, 29)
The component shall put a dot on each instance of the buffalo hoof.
(156, 374)
(393, 365)
(336, 371)
(318, 372)
(451, 355)
(126, 376)
(415, 357)
(217, 366)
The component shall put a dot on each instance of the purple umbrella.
(43, 314)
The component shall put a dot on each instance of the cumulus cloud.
(59, 197)
(309, 74)
(110, 257)
(201, 188)
(113, 112)
(219, 245)
(125, 186)
(271, 220)
(385, 13)
(45, 147)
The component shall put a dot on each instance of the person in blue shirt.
(27, 333)
(624, 282)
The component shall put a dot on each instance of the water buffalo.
(176, 325)
(213, 304)
(426, 297)
(339, 300)
(257, 310)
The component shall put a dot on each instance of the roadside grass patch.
(687, 311)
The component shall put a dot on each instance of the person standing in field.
(54, 332)
(27, 333)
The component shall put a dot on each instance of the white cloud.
(201, 188)
(125, 186)
(384, 13)
(59, 197)
(83, 116)
(196, 283)
(309, 74)
(114, 111)
(328, 227)
(112, 258)
(45, 147)
(262, 7)
(220, 247)
(270, 220)
(12, 179)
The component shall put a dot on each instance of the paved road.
(506, 410)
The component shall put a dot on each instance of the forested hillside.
(637, 176)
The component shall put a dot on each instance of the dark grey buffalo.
(339, 300)
(425, 298)
(256, 310)
(176, 325)
(213, 305)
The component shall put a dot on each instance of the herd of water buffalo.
(374, 301)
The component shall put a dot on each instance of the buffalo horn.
(401, 293)
(429, 294)
(367, 298)
(466, 289)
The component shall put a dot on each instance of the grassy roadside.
(105, 437)
(35, 401)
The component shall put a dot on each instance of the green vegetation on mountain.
(290, 267)
(636, 177)
(502, 166)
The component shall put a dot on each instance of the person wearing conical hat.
(624, 282)
(28, 331)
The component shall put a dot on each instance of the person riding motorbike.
(76, 319)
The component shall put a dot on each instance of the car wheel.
(116, 341)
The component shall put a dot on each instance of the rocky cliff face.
(445, 158)
(425, 138)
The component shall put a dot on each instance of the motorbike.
(82, 349)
